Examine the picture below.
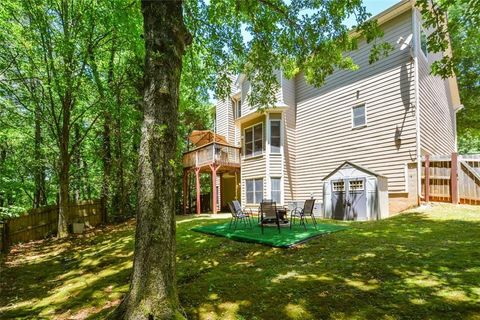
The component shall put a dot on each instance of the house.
(381, 117)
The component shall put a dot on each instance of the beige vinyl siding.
(437, 117)
(288, 90)
(245, 88)
(324, 135)
(224, 115)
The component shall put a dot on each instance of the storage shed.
(351, 192)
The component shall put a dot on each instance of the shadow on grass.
(409, 266)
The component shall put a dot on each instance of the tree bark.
(64, 170)
(40, 198)
(119, 204)
(153, 293)
(78, 165)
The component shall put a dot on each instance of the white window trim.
(237, 105)
(270, 136)
(263, 189)
(366, 115)
(420, 31)
(244, 156)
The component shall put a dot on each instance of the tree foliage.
(455, 25)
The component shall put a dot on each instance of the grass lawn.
(424, 264)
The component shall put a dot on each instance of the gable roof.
(356, 166)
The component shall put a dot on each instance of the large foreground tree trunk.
(153, 293)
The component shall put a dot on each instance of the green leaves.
(258, 37)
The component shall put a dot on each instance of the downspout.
(417, 102)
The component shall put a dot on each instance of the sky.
(373, 6)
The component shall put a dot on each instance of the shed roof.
(356, 166)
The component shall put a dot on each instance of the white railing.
(212, 153)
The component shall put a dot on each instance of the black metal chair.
(268, 213)
(238, 214)
(302, 214)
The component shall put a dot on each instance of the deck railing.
(212, 153)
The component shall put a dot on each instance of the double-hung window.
(275, 136)
(254, 190)
(254, 140)
(237, 108)
(276, 190)
(359, 116)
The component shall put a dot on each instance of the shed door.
(338, 199)
(356, 200)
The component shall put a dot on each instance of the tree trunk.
(120, 200)
(39, 198)
(64, 170)
(153, 293)
(78, 165)
(107, 158)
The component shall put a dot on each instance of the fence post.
(427, 178)
(454, 178)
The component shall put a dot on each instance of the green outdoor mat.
(286, 238)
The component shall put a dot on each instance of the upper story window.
(254, 140)
(237, 108)
(359, 116)
(275, 136)
(423, 42)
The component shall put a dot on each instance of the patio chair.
(238, 214)
(268, 213)
(303, 213)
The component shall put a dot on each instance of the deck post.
(220, 201)
(454, 178)
(197, 184)
(185, 189)
(427, 178)
(214, 168)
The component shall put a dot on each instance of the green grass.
(287, 237)
(418, 265)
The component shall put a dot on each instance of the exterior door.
(356, 199)
(338, 199)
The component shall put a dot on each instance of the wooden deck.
(213, 157)
(213, 153)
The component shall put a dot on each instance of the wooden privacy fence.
(453, 178)
(42, 222)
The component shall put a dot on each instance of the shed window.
(359, 117)
(338, 186)
(254, 189)
(356, 185)
(254, 140)
(276, 192)
(275, 136)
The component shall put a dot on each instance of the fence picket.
(42, 222)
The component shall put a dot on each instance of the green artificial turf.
(285, 238)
